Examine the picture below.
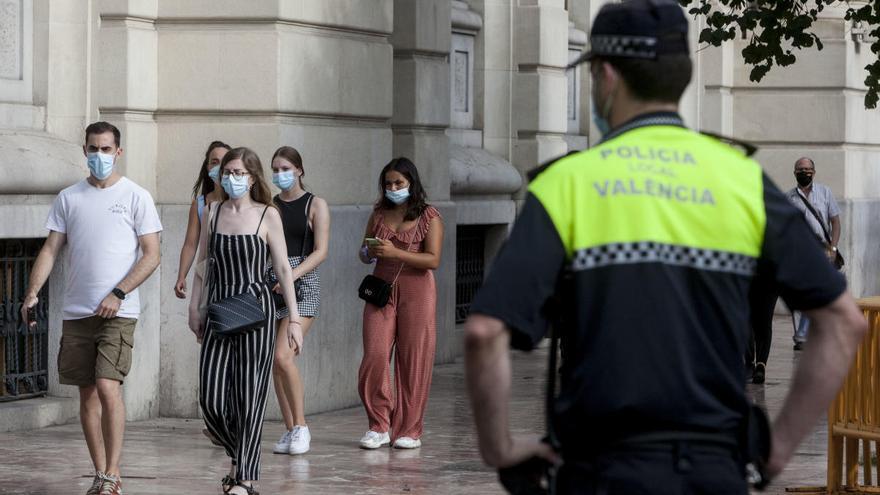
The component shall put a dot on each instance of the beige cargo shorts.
(95, 347)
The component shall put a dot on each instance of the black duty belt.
(660, 441)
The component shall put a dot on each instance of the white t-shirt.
(102, 227)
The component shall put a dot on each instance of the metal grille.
(469, 264)
(23, 351)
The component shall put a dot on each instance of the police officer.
(660, 231)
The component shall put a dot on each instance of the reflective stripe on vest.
(659, 193)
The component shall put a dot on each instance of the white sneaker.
(374, 440)
(300, 438)
(283, 444)
(407, 443)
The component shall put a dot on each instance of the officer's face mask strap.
(604, 106)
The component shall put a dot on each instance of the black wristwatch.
(119, 293)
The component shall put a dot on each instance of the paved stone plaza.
(171, 455)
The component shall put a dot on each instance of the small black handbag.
(376, 291)
(234, 314)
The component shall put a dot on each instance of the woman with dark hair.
(405, 235)
(235, 370)
(205, 191)
(306, 220)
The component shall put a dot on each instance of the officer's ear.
(603, 72)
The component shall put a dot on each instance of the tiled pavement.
(170, 456)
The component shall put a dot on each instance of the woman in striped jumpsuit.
(235, 371)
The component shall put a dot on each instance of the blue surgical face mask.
(100, 164)
(397, 197)
(214, 173)
(235, 187)
(601, 122)
(284, 180)
(600, 119)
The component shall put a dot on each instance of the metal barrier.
(23, 351)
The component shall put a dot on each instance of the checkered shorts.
(308, 292)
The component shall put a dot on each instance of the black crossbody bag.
(377, 291)
(838, 258)
(234, 314)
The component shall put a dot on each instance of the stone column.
(264, 73)
(421, 117)
(540, 36)
(421, 42)
(124, 91)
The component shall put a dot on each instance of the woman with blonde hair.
(306, 220)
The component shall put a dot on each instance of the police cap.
(637, 29)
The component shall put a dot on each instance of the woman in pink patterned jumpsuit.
(409, 235)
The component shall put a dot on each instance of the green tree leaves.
(775, 29)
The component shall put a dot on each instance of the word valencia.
(650, 187)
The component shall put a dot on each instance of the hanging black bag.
(838, 258)
(376, 291)
(234, 314)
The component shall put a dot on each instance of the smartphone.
(371, 241)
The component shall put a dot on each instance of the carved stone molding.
(576, 37)
(38, 163)
(475, 171)
(465, 20)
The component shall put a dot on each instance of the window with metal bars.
(23, 350)
(469, 266)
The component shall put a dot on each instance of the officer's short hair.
(662, 79)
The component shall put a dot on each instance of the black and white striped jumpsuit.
(235, 371)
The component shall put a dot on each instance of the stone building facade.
(474, 91)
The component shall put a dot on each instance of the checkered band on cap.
(623, 46)
(669, 254)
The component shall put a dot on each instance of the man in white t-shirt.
(104, 220)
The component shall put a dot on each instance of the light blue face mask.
(214, 173)
(100, 164)
(397, 197)
(601, 119)
(284, 180)
(235, 187)
(601, 122)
